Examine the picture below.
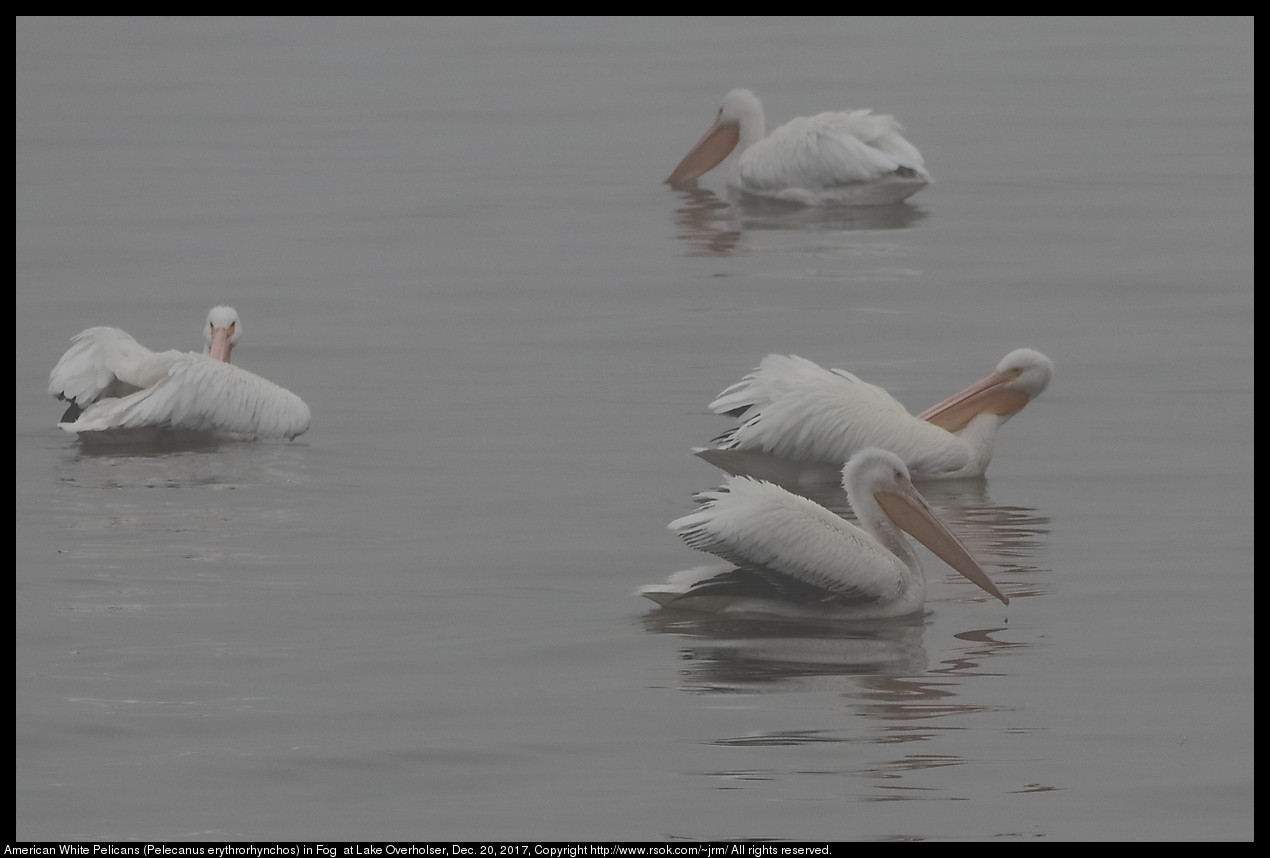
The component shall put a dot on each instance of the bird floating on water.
(120, 392)
(788, 556)
(804, 421)
(851, 158)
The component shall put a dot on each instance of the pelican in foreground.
(789, 556)
(121, 392)
(810, 420)
(852, 158)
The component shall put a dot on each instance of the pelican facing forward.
(792, 557)
(121, 392)
(815, 419)
(852, 158)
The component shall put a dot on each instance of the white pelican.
(121, 392)
(856, 157)
(797, 412)
(790, 556)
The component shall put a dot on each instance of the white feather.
(757, 525)
(200, 394)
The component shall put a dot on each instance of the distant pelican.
(790, 556)
(121, 392)
(855, 158)
(815, 419)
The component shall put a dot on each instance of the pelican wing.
(200, 394)
(778, 376)
(761, 528)
(100, 362)
(831, 150)
(794, 409)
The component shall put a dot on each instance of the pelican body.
(811, 419)
(120, 392)
(851, 158)
(789, 556)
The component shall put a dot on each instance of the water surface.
(450, 237)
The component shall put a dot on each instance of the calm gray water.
(451, 238)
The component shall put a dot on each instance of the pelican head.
(221, 332)
(1019, 377)
(739, 120)
(879, 487)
